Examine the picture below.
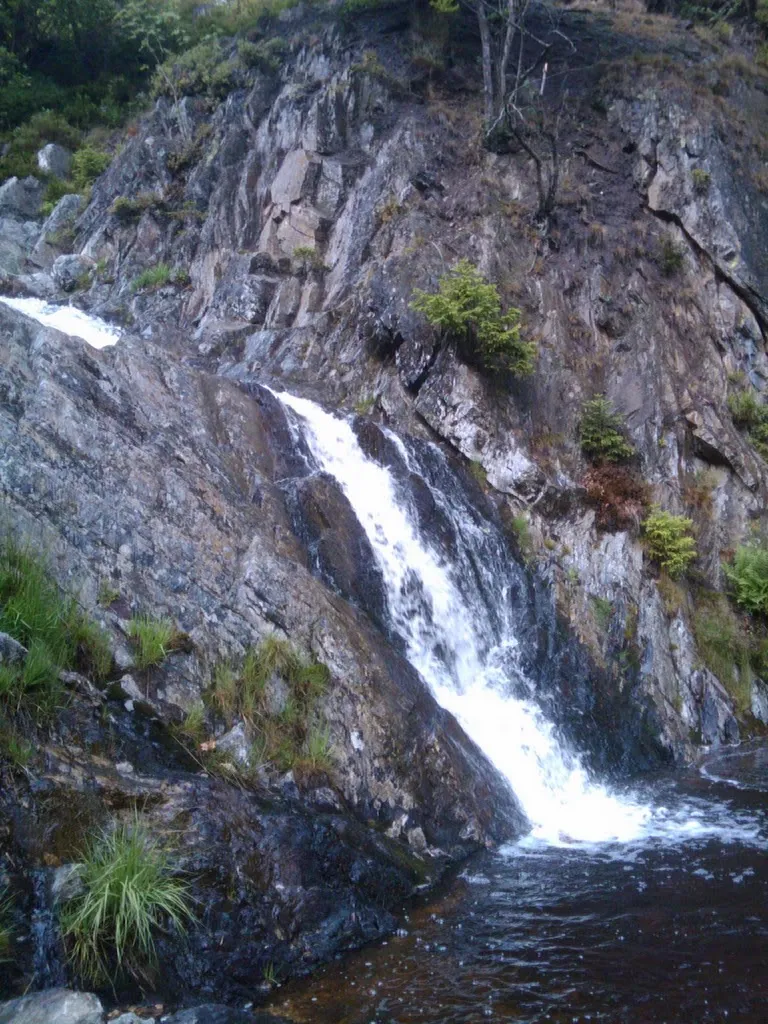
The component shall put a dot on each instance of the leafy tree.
(468, 310)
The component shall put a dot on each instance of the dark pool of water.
(657, 932)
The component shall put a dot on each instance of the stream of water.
(639, 904)
(67, 319)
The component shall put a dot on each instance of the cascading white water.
(67, 319)
(447, 641)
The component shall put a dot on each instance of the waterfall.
(464, 644)
(67, 319)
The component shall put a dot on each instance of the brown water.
(660, 931)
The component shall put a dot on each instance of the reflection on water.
(649, 932)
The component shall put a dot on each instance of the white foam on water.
(67, 319)
(445, 643)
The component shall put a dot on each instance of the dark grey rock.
(57, 234)
(11, 651)
(68, 271)
(21, 198)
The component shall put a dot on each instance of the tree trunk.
(485, 43)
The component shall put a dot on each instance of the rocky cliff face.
(303, 211)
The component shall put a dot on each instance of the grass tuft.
(129, 892)
(51, 625)
(153, 639)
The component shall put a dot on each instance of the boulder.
(56, 1006)
(21, 198)
(17, 237)
(55, 160)
(57, 232)
(68, 271)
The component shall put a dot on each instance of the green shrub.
(87, 164)
(127, 210)
(25, 141)
(745, 408)
(724, 649)
(671, 258)
(748, 576)
(468, 310)
(129, 893)
(669, 540)
(266, 55)
(203, 70)
(153, 639)
(603, 611)
(600, 432)
(521, 531)
(701, 181)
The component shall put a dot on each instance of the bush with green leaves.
(88, 163)
(669, 540)
(265, 56)
(748, 576)
(129, 893)
(601, 432)
(203, 70)
(671, 258)
(467, 309)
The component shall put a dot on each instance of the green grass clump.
(153, 639)
(750, 413)
(724, 648)
(129, 893)
(317, 752)
(152, 278)
(51, 625)
(600, 432)
(467, 309)
(748, 576)
(283, 738)
(669, 541)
